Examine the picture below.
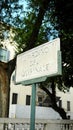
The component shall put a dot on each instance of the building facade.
(21, 96)
(4, 55)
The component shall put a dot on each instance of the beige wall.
(21, 90)
(67, 96)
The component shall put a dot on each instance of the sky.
(10, 47)
(6, 42)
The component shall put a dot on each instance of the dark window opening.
(40, 100)
(68, 105)
(60, 103)
(68, 116)
(14, 98)
(27, 99)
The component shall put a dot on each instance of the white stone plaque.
(39, 62)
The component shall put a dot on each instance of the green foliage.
(43, 20)
(64, 16)
(57, 21)
(10, 12)
(46, 30)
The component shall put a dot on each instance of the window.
(27, 99)
(68, 105)
(13, 78)
(68, 116)
(40, 100)
(60, 103)
(14, 98)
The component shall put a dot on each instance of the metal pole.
(33, 103)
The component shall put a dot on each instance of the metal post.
(33, 102)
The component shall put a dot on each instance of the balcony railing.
(24, 124)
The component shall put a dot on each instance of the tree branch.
(34, 35)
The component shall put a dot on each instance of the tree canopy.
(11, 12)
(43, 20)
(64, 11)
(57, 22)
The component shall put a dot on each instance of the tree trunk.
(6, 70)
(36, 27)
(61, 111)
(4, 90)
(52, 96)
